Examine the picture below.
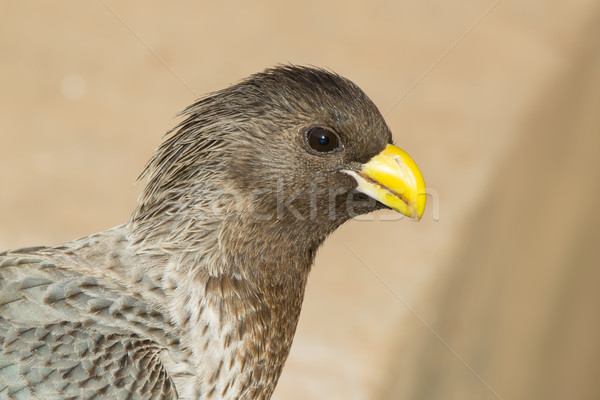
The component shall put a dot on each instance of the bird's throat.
(240, 331)
(242, 296)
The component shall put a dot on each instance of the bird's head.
(292, 151)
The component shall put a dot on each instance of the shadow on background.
(520, 303)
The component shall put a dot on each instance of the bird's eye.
(322, 140)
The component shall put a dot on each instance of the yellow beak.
(392, 178)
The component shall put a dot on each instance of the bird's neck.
(237, 301)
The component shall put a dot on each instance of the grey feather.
(68, 335)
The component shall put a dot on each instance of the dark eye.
(322, 140)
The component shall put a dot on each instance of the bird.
(198, 294)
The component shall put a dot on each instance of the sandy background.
(494, 294)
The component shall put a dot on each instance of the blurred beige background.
(494, 294)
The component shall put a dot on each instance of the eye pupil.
(322, 140)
